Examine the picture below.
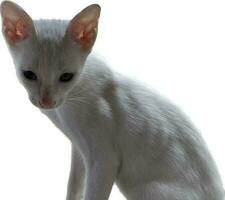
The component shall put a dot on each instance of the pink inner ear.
(15, 31)
(84, 33)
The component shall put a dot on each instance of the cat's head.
(48, 54)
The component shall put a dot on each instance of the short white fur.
(120, 131)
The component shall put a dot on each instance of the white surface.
(178, 47)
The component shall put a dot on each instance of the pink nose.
(47, 102)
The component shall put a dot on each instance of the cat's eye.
(29, 75)
(66, 77)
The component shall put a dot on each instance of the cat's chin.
(50, 108)
(46, 107)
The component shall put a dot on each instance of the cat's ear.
(17, 25)
(84, 26)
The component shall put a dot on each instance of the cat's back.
(137, 102)
(156, 138)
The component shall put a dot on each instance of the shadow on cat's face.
(49, 54)
(48, 68)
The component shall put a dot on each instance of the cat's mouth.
(45, 103)
(46, 107)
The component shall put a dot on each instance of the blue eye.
(66, 77)
(30, 75)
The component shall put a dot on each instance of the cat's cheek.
(59, 103)
(33, 100)
(28, 88)
(19, 77)
(64, 91)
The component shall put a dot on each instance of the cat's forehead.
(49, 49)
(53, 30)
(49, 43)
(49, 54)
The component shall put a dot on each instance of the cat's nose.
(47, 102)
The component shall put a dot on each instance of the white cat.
(120, 131)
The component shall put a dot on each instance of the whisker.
(77, 100)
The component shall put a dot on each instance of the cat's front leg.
(101, 174)
(75, 186)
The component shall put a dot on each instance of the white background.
(176, 46)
